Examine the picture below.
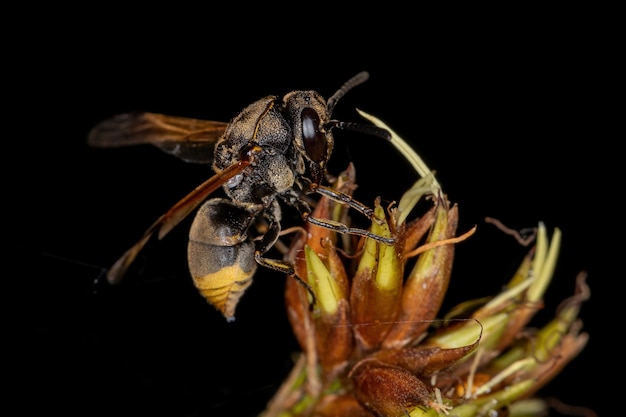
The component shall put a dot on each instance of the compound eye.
(314, 139)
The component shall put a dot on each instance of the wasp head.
(312, 136)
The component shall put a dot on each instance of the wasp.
(274, 151)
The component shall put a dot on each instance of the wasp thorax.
(259, 123)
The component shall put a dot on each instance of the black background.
(514, 124)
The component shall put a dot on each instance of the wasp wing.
(191, 140)
(173, 217)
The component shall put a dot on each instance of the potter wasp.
(274, 151)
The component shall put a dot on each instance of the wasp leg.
(346, 199)
(286, 268)
(342, 228)
(263, 245)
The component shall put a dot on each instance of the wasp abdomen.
(222, 273)
(220, 255)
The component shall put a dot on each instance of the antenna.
(360, 78)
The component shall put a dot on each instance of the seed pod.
(388, 391)
(333, 332)
(376, 287)
(427, 283)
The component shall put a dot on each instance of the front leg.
(341, 198)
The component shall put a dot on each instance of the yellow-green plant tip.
(525, 364)
(322, 281)
(504, 397)
(543, 257)
(379, 225)
(338, 211)
(531, 407)
(515, 353)
(502, 300)
(545, 270)
(388, 273)
(470, 332)
(464, 410)
(551, 335)
(522, 273)
(467, 306)
(369, 259)
(409, 199)
(568, 314)
(426, 260)
(404, 148)
(541, 248)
